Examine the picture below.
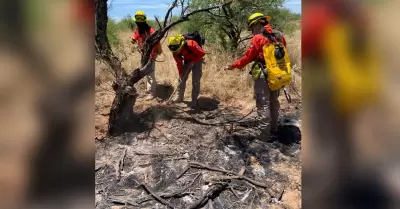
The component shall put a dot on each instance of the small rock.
(99, 198)
(186, 155)
(258, 170)
(187, 199)
(229, 151)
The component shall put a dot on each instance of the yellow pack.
(277, 66)
(355, 78)
(255, 71)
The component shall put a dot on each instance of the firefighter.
(142, 31)
(257, 22)
(189, 58)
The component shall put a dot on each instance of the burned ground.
(164, 139)
(169, 139)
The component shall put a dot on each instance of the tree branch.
(158, 22)
(216, 15)
(173, 5)
(156, 37)
(158, 198)
(182, 7)
(244, 39)
(209, 194)
(227, 17)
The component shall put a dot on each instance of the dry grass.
(228, 87)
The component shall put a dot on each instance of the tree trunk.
(121, 110)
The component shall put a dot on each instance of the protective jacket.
(141, 38)
(254, 51)
(190, 53)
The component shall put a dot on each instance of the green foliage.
(226, 33)
(126, 23)
(114, 27)
(112, 33)
(286, 21)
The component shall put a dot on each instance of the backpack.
(194, 36)
(277, 62)
(355, 79)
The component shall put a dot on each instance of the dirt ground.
(166, 139)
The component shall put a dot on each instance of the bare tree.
(121, 110)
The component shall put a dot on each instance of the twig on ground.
(252, 200)
(248, 180)
(147, 153)
(120, 165)
(240, 188)
(158, 198)
(251, 185)
(254, 182)
(122, 200)
(234, 193)
(213, 190)
(203, 166)
(183, 172)
(179, 193)
(245, 196)
(167, 159)
(98, 168)
(279, 198)
(163, 195)
(195, 173)
(176, 158)
(210, 204)
(191, 183)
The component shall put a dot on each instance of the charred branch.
(210, 194)
(158, 198)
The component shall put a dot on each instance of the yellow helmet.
(140, 16)
(256, 17)
(175, 43)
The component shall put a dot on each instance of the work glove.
(228, 67)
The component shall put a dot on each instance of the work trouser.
(267, 113)
(151, 82)
(197, 72)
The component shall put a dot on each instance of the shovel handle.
(288, 97)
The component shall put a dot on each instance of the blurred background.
(351, 104)
(47, 96)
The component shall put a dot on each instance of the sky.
(122, 8)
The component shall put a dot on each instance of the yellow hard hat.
(140, 16)
(175, 43)
(256, 17)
